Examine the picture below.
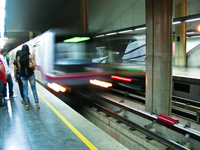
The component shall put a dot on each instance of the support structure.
(159, 56)
(83, 15)
(180, 36)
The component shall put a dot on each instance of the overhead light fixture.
(195, 36)
(113, 33)
(142, 28)
(125, 31)
(198, 28)
(176, 22)
(99, 36)
(194, 19)
(190, 32)
(76, 39)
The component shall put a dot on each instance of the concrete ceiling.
(23, 16)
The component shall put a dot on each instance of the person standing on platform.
(2, 82)
(8, 77)
(8, 60)
(17, 76)
(27, 73)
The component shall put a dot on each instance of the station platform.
(55, 126)
(187, 74)
(186, 82)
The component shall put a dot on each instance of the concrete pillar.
(83, 15)
(159, 56)
(180, 34)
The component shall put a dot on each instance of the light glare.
(2, 15)
(56, 87)
(2, 3)
(198, 28)
(2, 43)
(101, 83)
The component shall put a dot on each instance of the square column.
(159, 56)
(180, 34)
(83, 16)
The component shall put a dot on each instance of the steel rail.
(175, 110)
(166, 142)
(186, 101)
(193, 134)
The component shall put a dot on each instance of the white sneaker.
(6, 98)
(13, 96)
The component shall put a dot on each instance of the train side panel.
(41, 48)
(64, 63)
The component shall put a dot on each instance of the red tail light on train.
(121, 78)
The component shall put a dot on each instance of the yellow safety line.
(84, 139)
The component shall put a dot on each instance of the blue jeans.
(19, 81)
(33, 87)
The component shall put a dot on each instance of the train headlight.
(101, 83)
(56, 87)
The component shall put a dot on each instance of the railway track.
(114, 106)
(96, 101)
(107, 109)
(180, 106)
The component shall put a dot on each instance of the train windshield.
(73, 53)
(121, 50)
(73, 56)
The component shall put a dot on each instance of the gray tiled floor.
(43, 130)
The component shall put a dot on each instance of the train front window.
(73, 56)
(70, 53)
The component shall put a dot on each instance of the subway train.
(65, 60)
(125, 55)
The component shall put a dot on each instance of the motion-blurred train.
(65, 60)
(125, 55)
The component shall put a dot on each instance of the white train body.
(67, 64)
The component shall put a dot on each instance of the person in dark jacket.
(17, 76)
(27, 74)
